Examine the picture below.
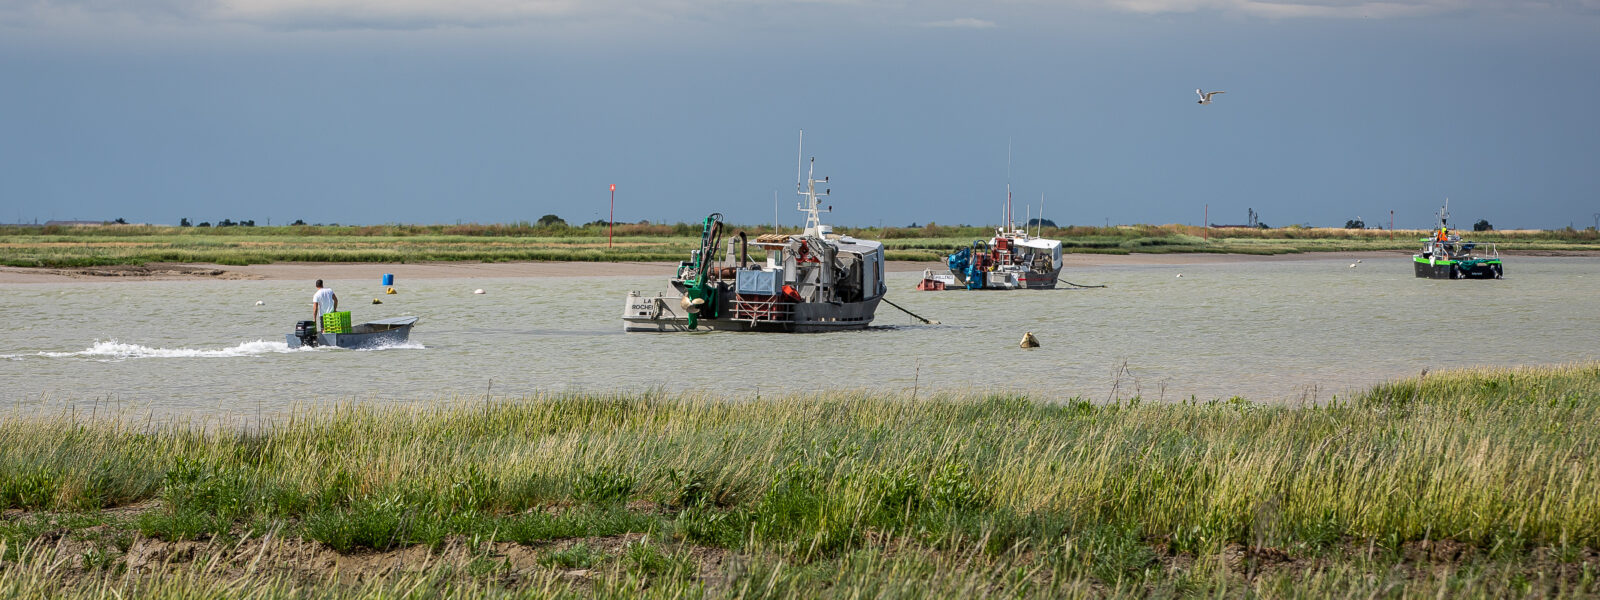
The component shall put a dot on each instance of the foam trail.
(406, 345)
(114, 350)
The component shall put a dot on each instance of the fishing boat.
(1013, 259)
(372, 334)
(1445, 255)
(813, 281)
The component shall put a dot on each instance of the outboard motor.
(307, 332)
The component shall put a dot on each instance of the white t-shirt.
(324, 300)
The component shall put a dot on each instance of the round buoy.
(377, 301)
(389, 291)
(1352, 265)
(1180, 275)
(261, 303)
(478, 291)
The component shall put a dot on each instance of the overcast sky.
(383, 111)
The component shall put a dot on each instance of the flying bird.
(1205, 97)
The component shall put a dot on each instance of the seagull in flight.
(1205, 97)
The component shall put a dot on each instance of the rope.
(1080, 285)
(902, 309)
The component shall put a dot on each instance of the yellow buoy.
(1028, 341)
(389, 291)
(377, 301)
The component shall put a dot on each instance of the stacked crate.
(336, 322)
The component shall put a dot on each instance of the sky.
(410, 111)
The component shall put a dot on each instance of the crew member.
(323, 302)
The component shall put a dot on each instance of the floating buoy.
(1352, 265)
(389, 291)
(1028, 341)
(478, 291)
(377, 301)
(261, 303)
(1180, 275)
(1358, 260)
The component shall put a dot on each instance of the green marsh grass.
(857, 493)
(68, 247)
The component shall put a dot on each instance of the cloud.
(962, 23)
(429, 14)
(1295, 9)
(389, 14)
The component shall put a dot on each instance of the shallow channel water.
(1268, 331)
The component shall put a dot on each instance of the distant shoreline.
(462, 270)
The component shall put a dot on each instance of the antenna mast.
(808, 190)
(1041, 215)
(1007, 216)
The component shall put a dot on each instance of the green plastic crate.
(336, 322)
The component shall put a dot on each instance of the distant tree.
(120, 221)
(1355, 223)
(299, 222)
(205, 224)
(1260, 225)
(598, 223)
(247, 223)
(644, 221)
(184, 222)
(1482, 225)
(551, 221)
(1037, 222)
(226, 223)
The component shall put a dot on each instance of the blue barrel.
(388, 278)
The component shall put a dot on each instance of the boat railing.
(762, 309)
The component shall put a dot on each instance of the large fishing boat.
(1012, 259)
(809, 282)
(1446, 256)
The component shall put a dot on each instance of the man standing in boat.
(323, 302)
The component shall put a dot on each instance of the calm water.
(1267, 331)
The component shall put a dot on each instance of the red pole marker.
(612, 224)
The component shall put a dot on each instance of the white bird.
(1358, 260)
(478, 291)
(1205, 97)
(261, 303)
(1352, 265)
(1180, 274)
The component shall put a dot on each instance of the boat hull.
(1453, 269)
(662, 313)
(1000, 280)
(392, 332)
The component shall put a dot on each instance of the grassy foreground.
(65, 247)
(1463, 484)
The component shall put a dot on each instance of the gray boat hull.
(375, 334)
(661, 313)
(1025, 281)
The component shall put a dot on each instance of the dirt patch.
(309, 561)
(153, 270)
(158, 271)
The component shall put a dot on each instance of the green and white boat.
(1446, 256)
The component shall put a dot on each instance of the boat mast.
(1041, 216)
(808, 190)
(1006, 217)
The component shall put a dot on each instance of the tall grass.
(997, 492)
